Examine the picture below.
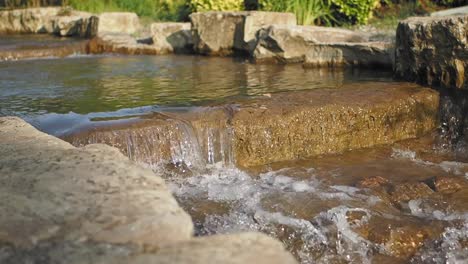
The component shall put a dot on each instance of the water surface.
(81, 88)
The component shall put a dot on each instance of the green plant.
(311, 12)
(355, 11)
(308, 12)
(217, 5)
(163, 10)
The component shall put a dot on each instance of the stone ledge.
(320, 46)
(64, 204)
(283, 126)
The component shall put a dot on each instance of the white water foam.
(325, 237)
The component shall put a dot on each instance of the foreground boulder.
(433, 51)
(320, 46)
(53, 190)
(64, 205)
(223, 33)
(277, 127)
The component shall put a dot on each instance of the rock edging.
(93, 202)
(433, 51)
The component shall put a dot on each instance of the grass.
(387, 17)
(160, 10)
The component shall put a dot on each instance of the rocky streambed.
(189, 159)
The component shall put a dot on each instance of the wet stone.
(448, 185)
(410, 191)
(372, 182)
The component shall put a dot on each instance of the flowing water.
(346, 208)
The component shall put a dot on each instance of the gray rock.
(223, 33)
(79, 24)
(172, 37)
(320, 46)
(50, 189)
(31, 20)
(232, 249)
(62, 204)
(463, 10)
(118, 22)
(433, 51)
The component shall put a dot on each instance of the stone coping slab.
(282, 126)
(62, 204)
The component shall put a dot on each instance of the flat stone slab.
(223, 33)
(52, 190)
(433, 51)
(62, 204)
(320, 46)
(463, 10)
(122, 44)
(277, 127)
(231, 249)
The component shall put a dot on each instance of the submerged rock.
(223, 33)
(64, 204)
(320, 46)
(410, 191)
(433, 51)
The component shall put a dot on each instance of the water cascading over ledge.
(275, 127)
(188, 140)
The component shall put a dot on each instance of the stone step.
(64, 204)
(283, 126)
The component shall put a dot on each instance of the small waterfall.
(59, 48)
(187, 141)
(454, 121)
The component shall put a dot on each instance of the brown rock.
(400, 238)
(449, 184)
(433, 51)
(372, 182)
(289, 126)
(410, 191)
